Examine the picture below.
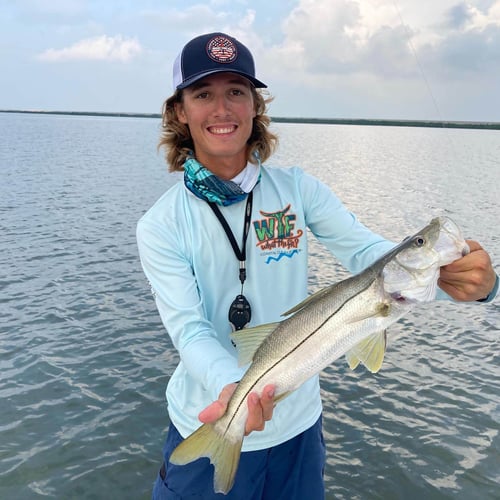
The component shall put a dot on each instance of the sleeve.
(493, 292)
(338, 229)
(174, 286)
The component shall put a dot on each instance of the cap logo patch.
(222, 50)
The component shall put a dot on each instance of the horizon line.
(307, 120)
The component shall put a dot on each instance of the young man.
(227, 247)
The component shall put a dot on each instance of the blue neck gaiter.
(207, 186)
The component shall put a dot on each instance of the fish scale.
(348, 318)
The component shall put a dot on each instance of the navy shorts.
(290, 471)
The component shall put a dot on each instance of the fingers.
(212, 412)
(217, 409)
(260, 410)
(473, 245)
(477, 257)
(267, 402)
(470, 278)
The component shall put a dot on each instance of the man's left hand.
(470, 278)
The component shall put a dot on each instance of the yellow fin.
(352, 360)
(248, 340)
(369, 351)
(223, 454)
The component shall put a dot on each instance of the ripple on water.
(84, 359)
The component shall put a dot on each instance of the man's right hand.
(260, 409)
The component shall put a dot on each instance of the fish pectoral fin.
(223, 454)
(248, 340)
(370, 352)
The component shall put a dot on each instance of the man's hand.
(260, 409)
(470, 278)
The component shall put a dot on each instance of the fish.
(347, 318)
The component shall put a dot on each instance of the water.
(84, 359)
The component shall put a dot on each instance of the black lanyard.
(241, 255)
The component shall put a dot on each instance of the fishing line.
(447, 135)
(448, 144)
(417, 60)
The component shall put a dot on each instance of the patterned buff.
(207, 186)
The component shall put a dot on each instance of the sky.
(374, 59)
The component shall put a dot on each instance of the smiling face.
(219, 112)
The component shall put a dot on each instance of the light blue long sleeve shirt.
(193, 272)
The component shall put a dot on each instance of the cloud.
(466, 53)
(99, 48)
(353, 38)
(324, 43)
(459, 15)
(467, 45)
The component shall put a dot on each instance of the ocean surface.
(84, 358)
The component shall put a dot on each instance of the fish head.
(412, 268)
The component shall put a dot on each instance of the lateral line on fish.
(245, 395)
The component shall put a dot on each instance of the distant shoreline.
(325, 121)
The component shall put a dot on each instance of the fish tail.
(224, 454)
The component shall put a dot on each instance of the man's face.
(219, 111)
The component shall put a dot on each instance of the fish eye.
(420, 241)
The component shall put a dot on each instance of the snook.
(349, 318)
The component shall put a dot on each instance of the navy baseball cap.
(213, 53)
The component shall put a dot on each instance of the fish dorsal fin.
(248, 340)
(370, 352)
(309, 300)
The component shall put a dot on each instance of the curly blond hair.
(176, 138)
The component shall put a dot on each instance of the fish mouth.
(450, 244)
